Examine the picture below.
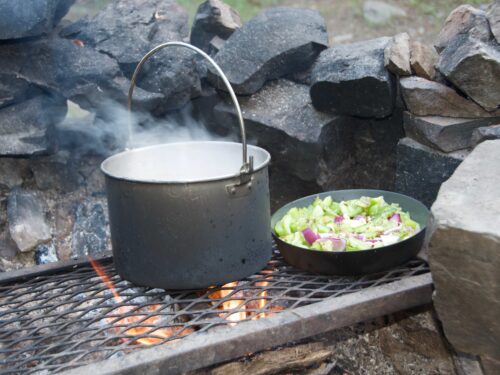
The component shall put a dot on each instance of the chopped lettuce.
(357, 224)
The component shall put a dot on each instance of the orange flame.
(144, 325)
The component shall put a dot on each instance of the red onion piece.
(396, 217)
(310, 236)
(338, 243)
(339, 219)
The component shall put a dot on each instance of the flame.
(144, 324)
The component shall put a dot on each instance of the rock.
(462, 20)
(485, 133)
(275, 43)
(444, 133)
(378, 12)
(90, 233)
(285, 188)
(213, 19)
(280, 116)
(27, 222)
(428, 98)
(397, 55)
(8, 248)
(14, 90)
(421, 170)
(422, 60)
(57, 173)
(352, 80)
(493, 15)
(45, 254)
(142, 25)
(17, 20)
(463, 253)
(490, 366)
(473, 67)
(27, 128)
(13, 171)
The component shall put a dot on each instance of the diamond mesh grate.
(71, 318)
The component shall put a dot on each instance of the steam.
(115, 129)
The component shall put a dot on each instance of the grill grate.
(70, 318)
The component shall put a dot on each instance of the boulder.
(282, 120)
(213, 19)
(485, 133)
(462, 20)
(474, 67)
(275, 43)
(17, 20)
(45, 253)
(13, 171)
(421, 170)
(427, 98)
(444, 133)
(57, 173)
(27, 128)
(422, 60)
(493, 15)
(14, 90)
(397, 55)
(379, 12)
(463, 250)
(28, 225)
(351, 79)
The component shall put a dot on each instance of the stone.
(17, 20)
(490, 366)
(141, 25)
(444, 133)
(28, 225)
(473, 67)
(462, 20)
(14, 90)
(351, 80)
(90, 236)
(379, 12)
(280, 116)
(213, 19)
(27, 128)
(463, 250)
(275, 43)
(13, 171)
(493, 15)
(485, 133)
(427, 98)
(422, 60)
(8, 248)
(421, 170)
(57, 173)
(397, 55)
(45, 254)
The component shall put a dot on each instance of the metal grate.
(70, 318)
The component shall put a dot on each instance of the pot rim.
(107, 173)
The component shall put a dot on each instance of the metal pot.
(189, 215)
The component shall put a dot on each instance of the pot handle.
(247, 166)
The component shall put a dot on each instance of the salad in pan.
(357, 224)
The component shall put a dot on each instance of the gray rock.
(27, 128)
(17, 20)
(422, 60)
(428, 98)
(379, 12)
(14, 90)
(462, 20)
(444, 133)
(90, 234)
(282, 120)
(421, 170)
(463, 253)
(8, 248)
(45, 254)
(352, 80)
(28, 225)
(57, 172)
(275, 43)
(141, 25)
(473, 67)
(493, 15)
(13, 171)
(397, 55)
(213, 19)
(490, 366)
(485, 133)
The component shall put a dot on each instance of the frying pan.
(354, 262)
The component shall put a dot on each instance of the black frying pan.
(355, 262)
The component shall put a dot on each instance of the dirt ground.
(344, 18)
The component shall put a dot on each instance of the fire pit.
(61, 318)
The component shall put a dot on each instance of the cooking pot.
(189, 215)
